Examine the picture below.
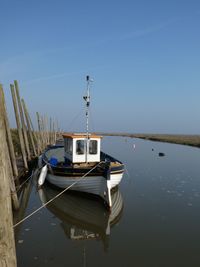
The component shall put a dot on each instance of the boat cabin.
(80, 148)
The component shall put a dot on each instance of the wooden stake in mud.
(47, 129)
(7, 243)
(34, 134)
(51, 142)
(42, 121)
(9, 138)
(8, 153)
(39, 139)
(22, 120)
(54, 133)
(19, 126)
(29, 127)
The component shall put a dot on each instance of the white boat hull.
(96, 185)
(90, 184)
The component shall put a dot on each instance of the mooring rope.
(24, 182)
(45, 204)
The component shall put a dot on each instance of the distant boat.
(80, 164)
(82, 217)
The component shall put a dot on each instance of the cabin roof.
(80, 135)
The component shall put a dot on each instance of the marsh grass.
(190, 140)
(15, 139)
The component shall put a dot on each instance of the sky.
(144, 58)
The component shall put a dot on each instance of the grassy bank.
(15, 139)
(190, 140)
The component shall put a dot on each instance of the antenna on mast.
(87, 99)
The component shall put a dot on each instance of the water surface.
(155, 221)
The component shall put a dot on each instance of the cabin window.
(93, 147)
(68, 146)
(80, 147)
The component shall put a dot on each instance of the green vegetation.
(190, 140)
(16, 143)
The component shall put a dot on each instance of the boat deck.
(57, 152)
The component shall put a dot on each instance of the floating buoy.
(161, 154)
(133, 146)
(42, 176)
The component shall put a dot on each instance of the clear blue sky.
(144, 57)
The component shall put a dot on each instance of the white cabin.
(80, 149)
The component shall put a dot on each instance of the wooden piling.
(54, 133)
(9, 137)
(47, 129)
(7, 242)
(35, 136)
(29, 127)
(14, 197)
(51, 142)
(22, 121)
(43, 131)
(11, 161)
(19, 126)
(40, 140)
(44, 120)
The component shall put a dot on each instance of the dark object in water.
(161, 154)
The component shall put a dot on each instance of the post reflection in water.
(81, 216)
(159, 226)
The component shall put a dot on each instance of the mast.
(87, 105)
(87, 99)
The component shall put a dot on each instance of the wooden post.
(47, 129)
(57, 130)
(13, 192)
(29, 127)
(43, 131)
(7, 242)
(9, 138)
(54, 133)
(22, 120)
(40, 141)
(35, 136)
(51, 142)
(8, 153)
(19, 126)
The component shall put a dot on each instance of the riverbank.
(189, 140)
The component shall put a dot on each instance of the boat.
(81, 217)
(79, 164)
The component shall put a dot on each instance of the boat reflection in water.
(83, 217)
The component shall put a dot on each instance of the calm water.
(155, 221)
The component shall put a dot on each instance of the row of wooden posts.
(32, 143)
